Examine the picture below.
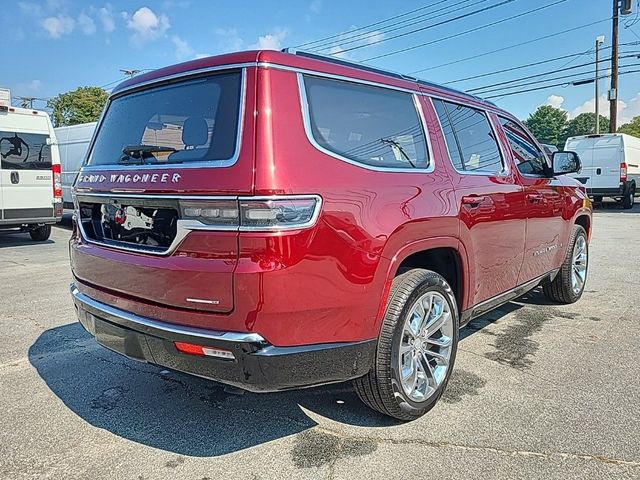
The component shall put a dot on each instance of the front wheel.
(569, 283)
(416, 347)
(41, 233)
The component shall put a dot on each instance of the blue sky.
(57, 45)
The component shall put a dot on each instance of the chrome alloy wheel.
(579, 264)
(425, 346)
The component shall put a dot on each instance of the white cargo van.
(73, 143)
(30, 188)
(610, 165)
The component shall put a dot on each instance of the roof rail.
(382, 71)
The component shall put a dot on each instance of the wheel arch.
(443, 255)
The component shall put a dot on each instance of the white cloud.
(626, 109)
(86, 24)
(270, 41)
(106, 19)
(201, 55)
(315, 6)
(183, 49)
(229, 40)
(58, 25)
(555, 101)
(29, 88)
(146, 25)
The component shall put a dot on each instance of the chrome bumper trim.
(154, 327)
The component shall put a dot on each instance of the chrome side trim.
(179, 166)
(304, 105)
(151, 326)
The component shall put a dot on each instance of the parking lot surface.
(538, 391)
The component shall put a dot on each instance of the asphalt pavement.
(538, 391)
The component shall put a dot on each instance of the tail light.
(57, 180)
(623, 172)
(255, 213)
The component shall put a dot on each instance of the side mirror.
(566, 162)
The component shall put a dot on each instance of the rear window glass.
(25, 151)
(370, 125)
(188, 121)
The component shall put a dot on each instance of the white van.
(30, 183)
(73, 143)
(610, 165)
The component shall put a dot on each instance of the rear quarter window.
(364, 124)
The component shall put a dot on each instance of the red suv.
(277, 220)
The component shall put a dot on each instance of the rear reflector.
(193, 349)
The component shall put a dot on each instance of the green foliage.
(631, 128)
(583, 124)
(81, 105)
(547, 124)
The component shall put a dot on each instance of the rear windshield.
(25, 151)
(183, 122)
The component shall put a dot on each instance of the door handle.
(473, 200)
(534, 197)
(15, 178)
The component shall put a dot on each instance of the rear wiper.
(142, 152)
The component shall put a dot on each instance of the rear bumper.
(258, 366)
(606, 192)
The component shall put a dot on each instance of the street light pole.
(599, 41)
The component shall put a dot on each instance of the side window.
(529, 159)
(470, 140)
(25, 151)
(370, 125)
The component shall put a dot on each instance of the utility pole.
(620, 7)
(599, 41)
(613, 92)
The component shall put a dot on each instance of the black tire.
(629, 199)
(380, 389)
(560, 290)
(40, 234)
(597, 199)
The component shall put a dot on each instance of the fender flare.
(417, 246)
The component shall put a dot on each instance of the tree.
(631, 128)
(81, 105)
(547, 124)
(583, 124)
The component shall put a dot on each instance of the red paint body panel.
(327, 283)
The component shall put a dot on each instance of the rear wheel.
(41, 233)
(629, 199)
(597, 199)
(416, 347)
(569, 283)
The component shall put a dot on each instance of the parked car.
(274, 220)
(610, 166)
(73, 143)
(30, 189)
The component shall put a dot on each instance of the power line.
(555, 70)
(535, 82)
(532, 64)
(533, 40)
(554, 85)
(372, 24)
(361, 37)
(481, 27)
(443, 22)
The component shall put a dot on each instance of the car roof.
(311, 62)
